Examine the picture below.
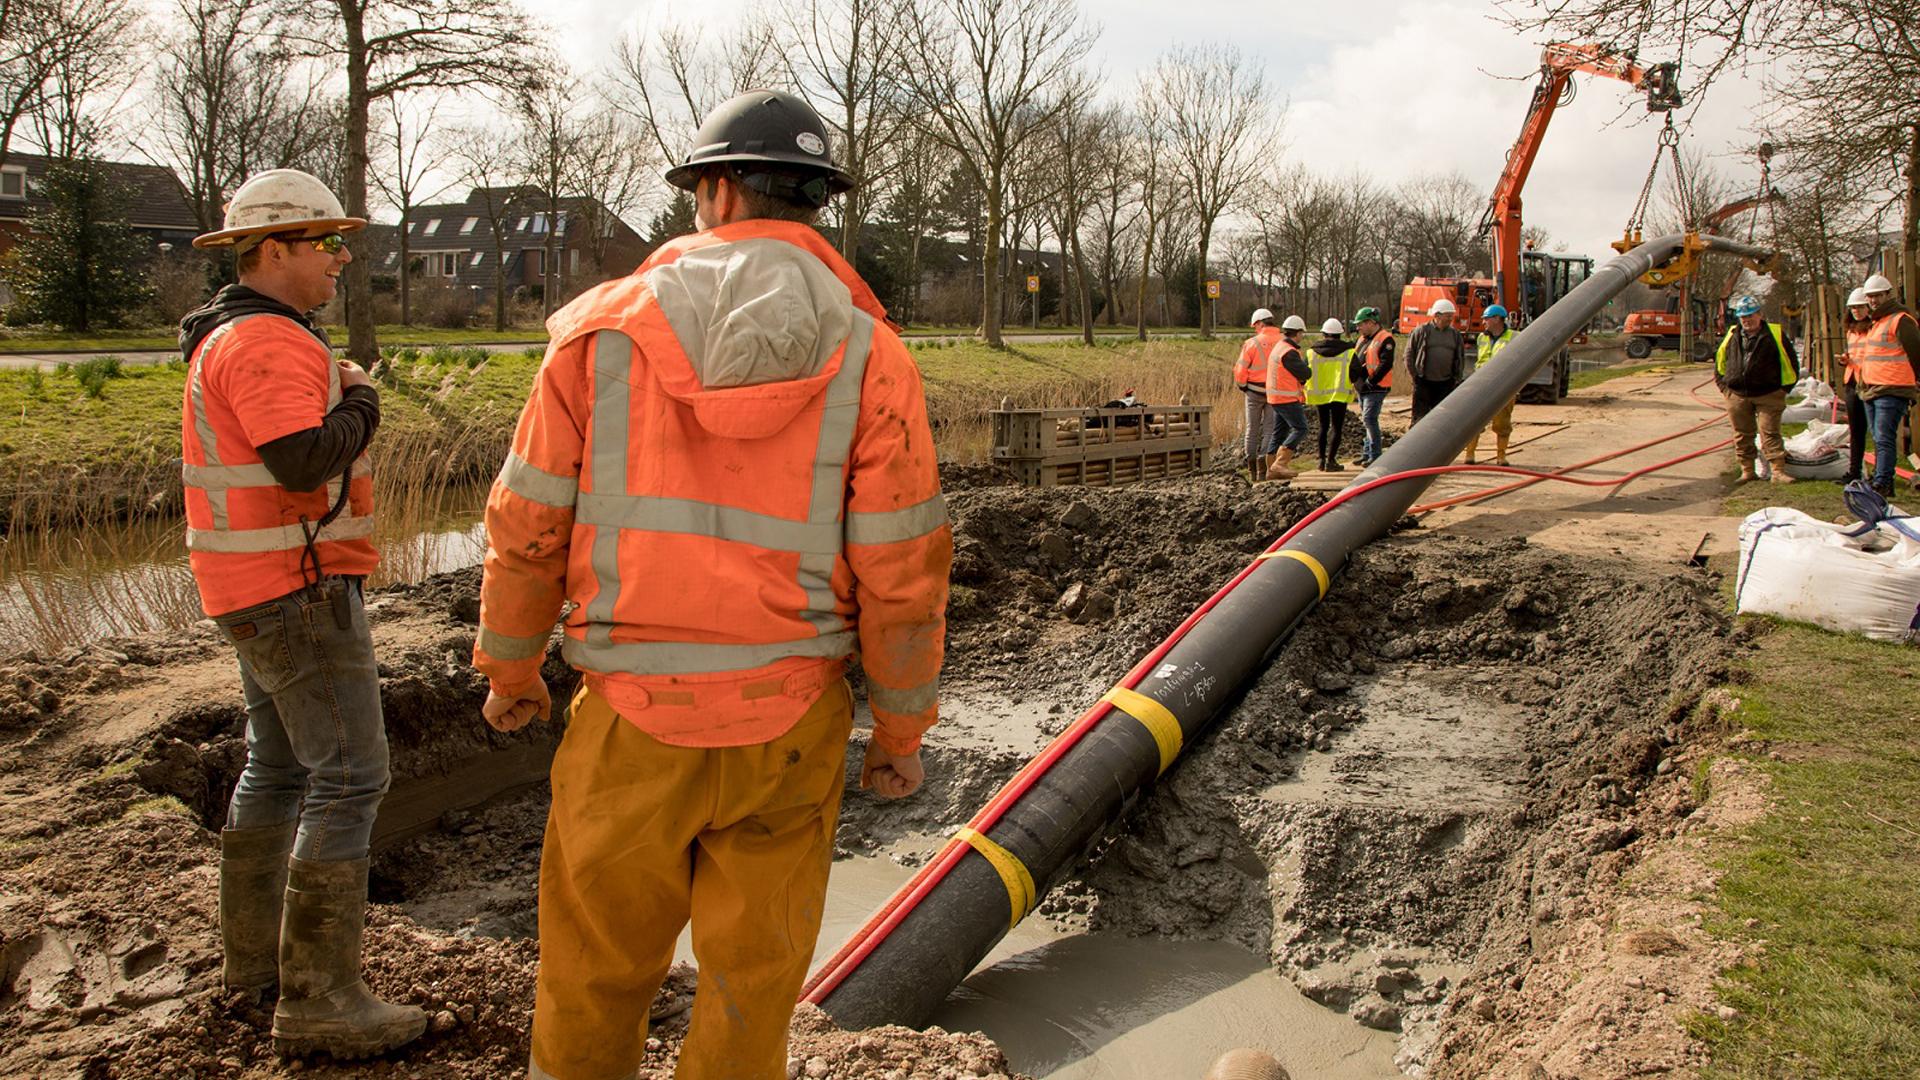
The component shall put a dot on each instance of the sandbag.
(1854, 579)
(1818, 453)
(1817, 402)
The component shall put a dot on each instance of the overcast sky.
(1394, 87)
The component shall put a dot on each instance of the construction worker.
(1250, 375)
(1287, 375)
(1754, 368)
(1436, 357)
(1330, 388)
(1372, 375)
(1495, 337)
(1888, 363)
(1855, 324)
(725, 466)
(279, 514)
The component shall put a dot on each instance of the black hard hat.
(767, 128)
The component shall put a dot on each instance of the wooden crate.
(1102, 447)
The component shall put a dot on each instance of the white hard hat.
(1857, 298)
(1333, 327)
(279, 200)
(1294, 322)
(1877, 284)
(1260, 315)
(1442, 307)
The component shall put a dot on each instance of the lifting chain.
(1669, 144)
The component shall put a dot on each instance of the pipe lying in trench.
(929, 936)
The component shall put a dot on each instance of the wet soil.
(1430, 811)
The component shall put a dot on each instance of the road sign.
(1033, 282)
(1213, 290)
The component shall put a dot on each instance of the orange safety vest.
(1876, 356)
(725, 465)
(254, 380)
(1282, 385)
(1250, 371)
(1371, 353)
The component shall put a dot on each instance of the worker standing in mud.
(1436, 358)
(279, 515)
(1287, 375)
(1329, 389)
(1372, 375)
(1753, 369)
(1496, 336)
(1250, 375)
(1888, 359)
(725, 465)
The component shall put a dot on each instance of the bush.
(37, 384)
(441, 355)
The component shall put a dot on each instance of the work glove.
(891, 776)
(510, 712)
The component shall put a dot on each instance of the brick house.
(454, 243)
(158, 211)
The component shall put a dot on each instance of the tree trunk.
(990, 272)
(1146, 267)
(1206, 306)
(361, 345)
(406, 274)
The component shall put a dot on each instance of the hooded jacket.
(725, 466)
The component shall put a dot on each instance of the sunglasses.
(331, 243)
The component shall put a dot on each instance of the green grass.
(161, 337)
(1581, 380)
(1829, 879)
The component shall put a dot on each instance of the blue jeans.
(316, 739)
(1292, 417)
(1370, 420)
(1883, 416)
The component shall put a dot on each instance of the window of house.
(433, 226)
(392, 257)
(522, 227)
(573, 261)
(449, 263)
(477, 256)
(466, 227)
(13, 182)
(539, 223)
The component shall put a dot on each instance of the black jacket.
(1750, 366)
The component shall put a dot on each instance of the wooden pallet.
(1102, 447)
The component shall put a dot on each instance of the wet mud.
(1462, 748)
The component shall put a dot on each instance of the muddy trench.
(1457, 747)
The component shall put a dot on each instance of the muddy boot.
(253, 881)
(1779, 468)
(1260, 467)
(323, 1003)
(1277, 465)
(1253, 470)
(1747, 475)
(1500, 450)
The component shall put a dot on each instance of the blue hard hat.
(1494, 311)
(1746, 305)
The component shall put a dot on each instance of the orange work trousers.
(641, 836)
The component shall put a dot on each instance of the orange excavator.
(1527, 282)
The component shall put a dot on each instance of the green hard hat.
(1365, 314)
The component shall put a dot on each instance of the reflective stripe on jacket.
(1250, 371)
(1283, 386)
(247, 535)
(1490, 347)
(1370, 352)
(725, 465)
(1787, 374)
(1330, 383)
(1876, 356)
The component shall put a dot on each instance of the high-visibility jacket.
(253, 380)
(1490, 347)
(1283, 386)
(1370, 351)
(725, 465)
(1330, 383)
(1787, 374)
(1250, 371)
(1877, 357)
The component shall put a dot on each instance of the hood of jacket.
(744, 324)
(233, 302)
(1331, 346)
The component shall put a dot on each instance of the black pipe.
(1048, 830)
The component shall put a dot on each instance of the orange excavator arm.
(1558, 63)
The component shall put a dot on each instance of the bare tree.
(667, 80)
(1438, 218)
(1112, 189)
(1221, 125)
(613, 172)
(416, 164)
(55, 55)
(1071, 150)
(391, 47)
(986, 77)
(488, 161)
(1159, 195)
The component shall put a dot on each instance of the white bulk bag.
(1799, 567)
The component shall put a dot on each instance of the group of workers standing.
(1280, 378)
(723, 485)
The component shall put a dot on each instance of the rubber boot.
(1277, 465)
(1499, 449)
(253, 882)
(1253, 470)
(1747, 475)
(1260, 466)
(324, 1005)
(1779, 467)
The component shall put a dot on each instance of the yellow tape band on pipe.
(1154, 716)
(1013, 873)
(1319, 572)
